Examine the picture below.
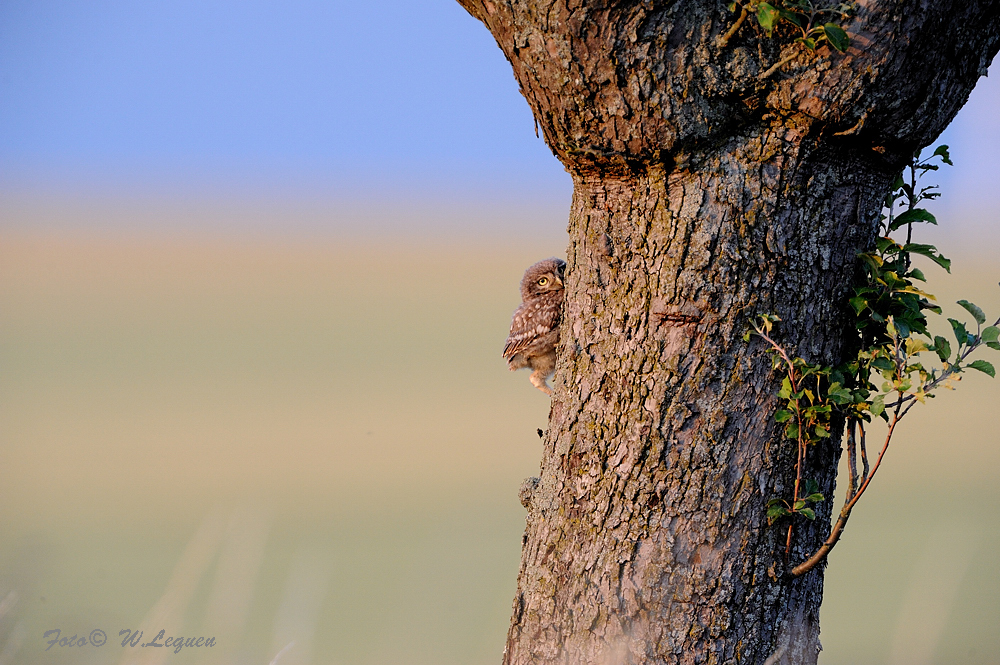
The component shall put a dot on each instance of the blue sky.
(301, 95)
(334, 100)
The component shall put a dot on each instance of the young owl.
(534, 331)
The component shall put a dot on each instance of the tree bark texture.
(704, 195)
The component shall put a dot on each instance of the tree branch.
(849, 503)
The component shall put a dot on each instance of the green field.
(316, 441)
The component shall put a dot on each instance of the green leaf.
(930, 251)
(791, 431)
(767, 16)
(961, 334)
(916, 273)
(874, 263)
(883, 364)
(836, 36)
(840, 395)
(972, 309)
(791, 17)
(822, 432)
(943, 348)
(782, 416)
(883, 244)
(942, 152)
(990, 334)
(878, 405)
(775, 511)
(808, 513)
(984, 367)
(914, 216)
(786, 389)
(815, 498)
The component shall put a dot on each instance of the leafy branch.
(812, 25)
(887, 376)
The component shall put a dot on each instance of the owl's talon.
(539, 381)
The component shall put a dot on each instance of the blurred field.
(311, 441)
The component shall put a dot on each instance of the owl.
(534, 332)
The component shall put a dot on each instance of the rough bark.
(704, 196)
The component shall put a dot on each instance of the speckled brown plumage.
(534, 330)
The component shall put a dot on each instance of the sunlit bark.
(704, 195)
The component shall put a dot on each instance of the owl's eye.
(543, 281)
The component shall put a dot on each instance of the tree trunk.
(704, 195)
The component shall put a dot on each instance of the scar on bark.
(685, 314)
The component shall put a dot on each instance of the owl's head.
(543, 277)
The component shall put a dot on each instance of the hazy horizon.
(315, 116)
